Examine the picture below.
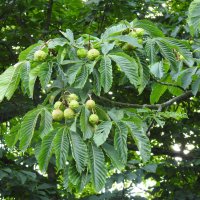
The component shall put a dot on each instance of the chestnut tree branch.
(160, 106)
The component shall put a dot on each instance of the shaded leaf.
(84, 123)
(106, 47)
(81, 77)
(56, 42)
(69, 35)
(61, 147)
(128, 39)
(28, 127)
(149, 27)
(9, 81)
(97, 167)
(110, 31)
(113, 155)
(194, 16)
(139, 135)
(12, 137)
(157, 69)
(105, 71)
(25, 70)
(45, 74)
(102, 132)
(97, 82)
(73, 175)
(128, 65)
(79, 151)
(157, 91)
(45, 123)
(46, 150)
(120, 140)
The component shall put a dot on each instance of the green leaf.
(90, 66)
(72, 72)
(61, 75)
(12, 137)
(174, 115)
(144, 74)
(45, 123)
(97, 82)
(157, 69)
(128, 65)
(73, 175)
(186, 76)
(175, 91)
(34, 73)
(85, 178)
(69, 35)
(45, 74)
(195, 86)
(194, 16)
(56, 42)
(73, 126)
(181, 47)
(97, 167)
(101, 113)
(113, 30)
(28, 53)
(9, 81)
(150, 168)
(115, 114)
(65, 177)
(106, 47)
(157, 91)
(105, 71)
(37, 148)
(128, 39)
(167, 53)
(139, 135)
(61, 147)
(67, 62)
(102, 132)
(150, 48)
(62, 52)
(28, 127)
(113, 155)
(84, 123)
(25, 70)
(46, 150)
(79, 151)
(149, 27)
(81, 77)
(120, 140)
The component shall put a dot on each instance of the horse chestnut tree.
(81, 120)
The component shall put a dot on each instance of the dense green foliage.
(95, 96)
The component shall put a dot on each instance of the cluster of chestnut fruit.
(66, 109)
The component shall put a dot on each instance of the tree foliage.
(144, 80)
